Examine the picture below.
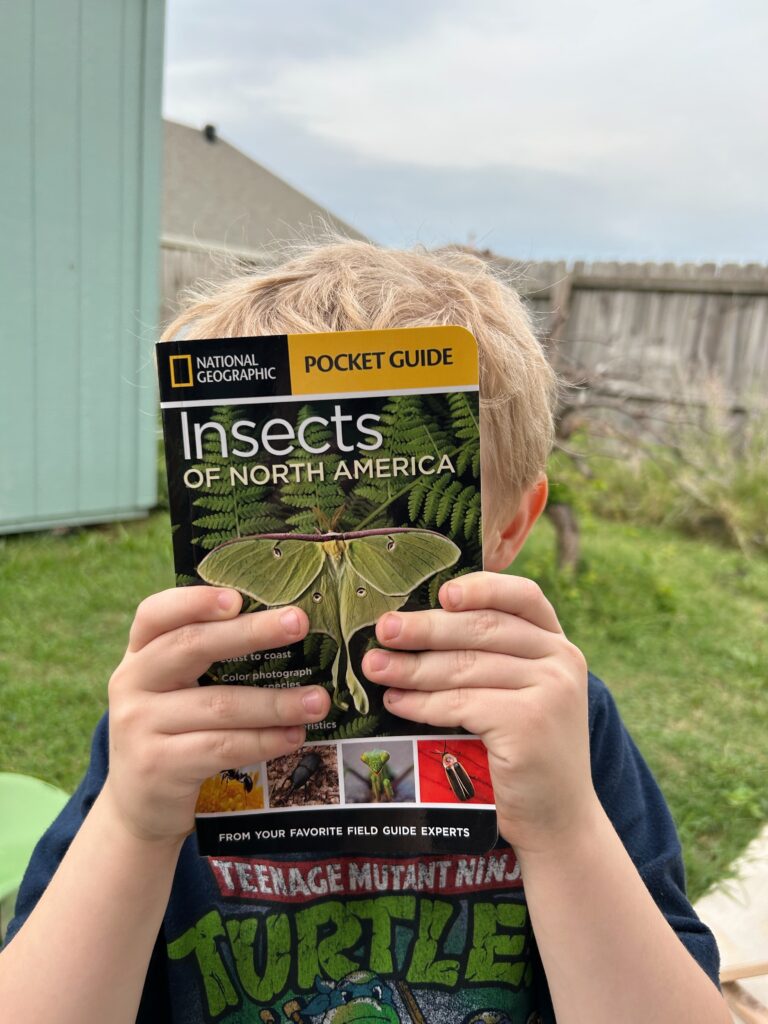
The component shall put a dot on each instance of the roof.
(213, 192)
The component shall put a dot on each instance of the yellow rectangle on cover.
(408, 358)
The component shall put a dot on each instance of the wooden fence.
(659, 332)
(185, 261)
(650, 332)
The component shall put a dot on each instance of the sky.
(553, 130)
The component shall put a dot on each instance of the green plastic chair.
(27, 808)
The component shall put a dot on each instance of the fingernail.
(291, 622)
(313, 701)
(377, 661)
(390, 627)
(295, 735)
(393, 696)
(225, 600)
(453, 595)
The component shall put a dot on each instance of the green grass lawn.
(675, 626)
(677, 629)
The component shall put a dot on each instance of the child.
(119, 919)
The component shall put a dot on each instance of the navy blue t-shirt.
(394, 940)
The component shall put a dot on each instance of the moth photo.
(343, 581)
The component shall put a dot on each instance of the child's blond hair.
(350, 285)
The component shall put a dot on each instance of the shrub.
(708, 477)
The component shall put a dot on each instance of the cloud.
(533, 214)
(596, 128)
(593, 89)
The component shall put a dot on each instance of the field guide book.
(339, 473)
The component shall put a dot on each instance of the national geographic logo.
(181, 372)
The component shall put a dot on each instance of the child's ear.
(505, 542)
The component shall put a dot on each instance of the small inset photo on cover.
(454, 770)
(308, 776)
(378, 771)
(237, 789)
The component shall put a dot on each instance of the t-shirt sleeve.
(53, 845)
(634, 803)
(51, 850)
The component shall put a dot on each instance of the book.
(340, 473)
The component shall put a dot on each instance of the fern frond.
(416, 498)
(357, 509)
(437, 489)
(229, 510)
(464, 416)
(257, 503)
(304, 522)
(260, 524)
(216, 521)
(459, 510)
(211, 540)
(409, 429)
(316, 501)
(311, 646)
(439, 579)
(472, 518)
(216, 502)
(273, 665)
(372, 492)
(328, 648)
(234, 498)
(445, 503)
(319, 648)
(182, 580)
(313, 500)
(358, 728)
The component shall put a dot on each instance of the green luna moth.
(343, 581)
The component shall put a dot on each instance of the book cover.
(339, 473)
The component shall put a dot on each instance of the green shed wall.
(80, 191)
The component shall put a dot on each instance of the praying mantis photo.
(389, 776)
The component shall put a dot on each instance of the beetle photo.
(305, 777)
(454, 769)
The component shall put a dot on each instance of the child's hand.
(167, 733)
(496, 662)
